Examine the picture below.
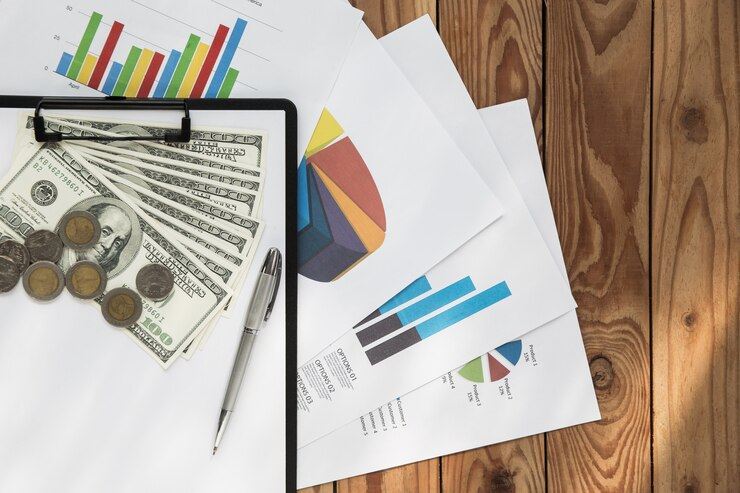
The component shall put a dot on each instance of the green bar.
(182, 66)
(84, 47)
(126, 71)
(228, 83)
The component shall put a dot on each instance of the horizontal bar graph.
(144, 72)
(439, 322)
(414, 312)
(413, 290)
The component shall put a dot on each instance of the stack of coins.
(36, 263)
(14, 260)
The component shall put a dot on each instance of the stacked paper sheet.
(491, 294)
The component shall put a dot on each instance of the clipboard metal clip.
(110, 103)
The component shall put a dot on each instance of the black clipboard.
(185, 106)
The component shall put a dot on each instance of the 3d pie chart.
(341, 219)
(495, 365)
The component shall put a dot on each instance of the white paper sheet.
(84, 410)
(341, 384)
(537, 383)
(429, 197)
(289, 49)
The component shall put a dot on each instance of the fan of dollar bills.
(193, 208)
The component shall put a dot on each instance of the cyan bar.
(416, 288)
(228, 55)
(463, 310)
(110, 81)
(435, 301)
(64, 63)
(169, 69)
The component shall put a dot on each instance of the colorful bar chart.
(439, 322)
(186, 73)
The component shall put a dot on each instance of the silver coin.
(9, 274)
(86, 280)
(121, 307)
(79, 230)
(43, 280)
(45, 245)
(17, 252)
(155, 281)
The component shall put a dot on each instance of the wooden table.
(637, 111)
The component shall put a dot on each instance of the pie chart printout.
(495, 365)
(341, 219)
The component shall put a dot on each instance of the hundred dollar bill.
(204, 207)
(242, 146)
(54, 181)
(242, 202)
(239, 180)
(68, 126)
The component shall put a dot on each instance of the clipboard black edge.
(291, 245)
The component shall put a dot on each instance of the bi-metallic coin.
(86, 280)
(43, 280)
(121, 307)
(9, 274)
(79, 230)
(155, 281)
(17, 252)
(46, 245)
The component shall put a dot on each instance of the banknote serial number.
(59, 173)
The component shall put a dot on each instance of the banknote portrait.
(120, 234)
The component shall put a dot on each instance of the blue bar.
(64, 63)
(226, 58)
(169, 69)
(416, 288)
(435, 301)
(110, 82)
(463, 310)
(304, 217)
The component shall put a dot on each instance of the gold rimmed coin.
(86, 280)
(155, 281)
(46, 245)
(9, 274)
(43, 280)
(121, 307)
(79, 230)
(17, 252)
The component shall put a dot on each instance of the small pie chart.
(493, 366)
(341, 219)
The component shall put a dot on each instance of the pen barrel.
(237, 372)
(260, 300)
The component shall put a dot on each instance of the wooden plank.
(384, 16)
(497, 48)
(696, 246)
(323, 488)
(597, 128)
(420, 477)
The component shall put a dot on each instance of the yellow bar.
(144, 60)
(195, 64)
(87, 68)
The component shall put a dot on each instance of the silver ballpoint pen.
(260, 308)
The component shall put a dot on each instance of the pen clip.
(278, 271)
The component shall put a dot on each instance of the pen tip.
(214, 450)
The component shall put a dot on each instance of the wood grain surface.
(696, 246)
(636, 110)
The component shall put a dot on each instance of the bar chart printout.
(185, 73)
(389, 335)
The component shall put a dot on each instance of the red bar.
(108, 47)
(151, 73)
(210, 61)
